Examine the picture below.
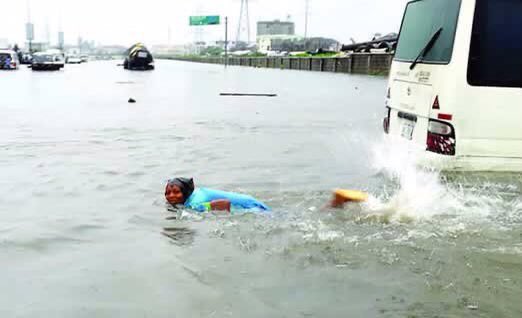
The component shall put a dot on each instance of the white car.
(9, 60)
(455, 85)
(73, 59)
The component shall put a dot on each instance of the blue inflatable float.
(200, 200)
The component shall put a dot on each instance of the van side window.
(421, 20)
(495, 57)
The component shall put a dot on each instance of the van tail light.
(441, 138)
(445, 116)
(386, 121)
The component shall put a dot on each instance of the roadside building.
(271, 35)
(109, 51)
(37, 46)
(163, 49)
(275, 27)
(72, 50)
(269, 43)
(279, 36)
(293, 43)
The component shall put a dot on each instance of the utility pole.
(61, 36)
(198, 31)
(29, 28)
(307, 13)
(243, 14)
(226, 42)
(47, 33)
(61, 40)
(247, 21)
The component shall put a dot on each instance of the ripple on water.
(87, 228)
(136, 174)
(42, 243)
(181, 236)
(111, 172)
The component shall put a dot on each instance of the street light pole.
(226, 42)
(307, 10)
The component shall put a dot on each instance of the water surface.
(85, 231)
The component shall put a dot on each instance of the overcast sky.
(128, 21)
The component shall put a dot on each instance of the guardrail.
(357, 63)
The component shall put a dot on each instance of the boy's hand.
(220, 205)
(338, 201)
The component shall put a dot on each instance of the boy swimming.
(181, 192)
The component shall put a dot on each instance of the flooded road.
(85, 231)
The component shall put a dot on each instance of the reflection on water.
(179, 235)
(85, 230)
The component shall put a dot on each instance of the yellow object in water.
(351, 195)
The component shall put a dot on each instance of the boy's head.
(178, 190)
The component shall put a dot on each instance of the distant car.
(73, 59)
(47, 61)
(26, 58)
(9, 60)
(84, 58)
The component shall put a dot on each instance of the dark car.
(47, 62)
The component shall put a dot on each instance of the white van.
(9, 60)
(455, 87)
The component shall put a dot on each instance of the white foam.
(421, 193)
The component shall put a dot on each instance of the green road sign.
(205, 20)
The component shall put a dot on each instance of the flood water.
(85, 231)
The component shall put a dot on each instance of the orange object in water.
(350, 195)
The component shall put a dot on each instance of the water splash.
(428, 194)
(419, 192)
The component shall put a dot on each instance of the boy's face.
(174, 195)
